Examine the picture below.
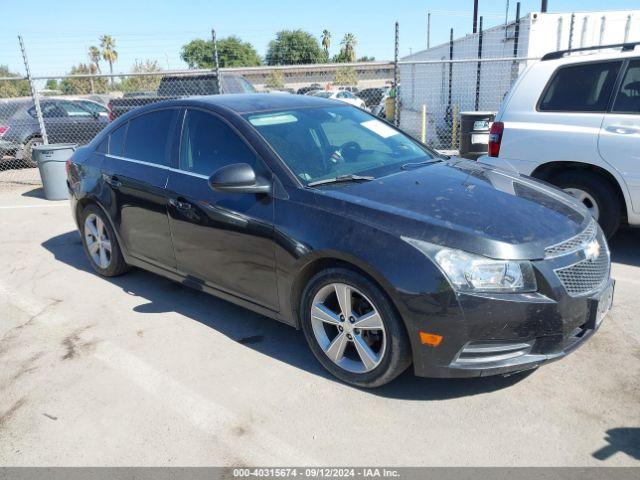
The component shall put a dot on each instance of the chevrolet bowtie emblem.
(592, 251)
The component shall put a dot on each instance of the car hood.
(463, 204)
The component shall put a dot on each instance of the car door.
(56, 121)
(135, 173)
(223, 239)
(619, 140)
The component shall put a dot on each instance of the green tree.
(13, 88)
(232, 52)
(294, 47)
(82, 85)
(109, 53)
(326, 41)
(94, 57)
(143, 83)
(52, 84)
(348, 49)
(345, 76)
(275, 79)
(366, 58)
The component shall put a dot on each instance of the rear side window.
(116, 140)
(628, 97)
(208, 144)
(580, 88)
(149, 137)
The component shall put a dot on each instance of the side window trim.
(242, 138)
(555, 73)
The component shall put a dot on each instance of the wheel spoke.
(343, 292)
(369, 321)
(367, 356)
(322, 313)
(92, 229)
(104, 261)
(100, 227)
(106, 244)
(93, 248)
(335, 350)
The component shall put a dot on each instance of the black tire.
(600, 189)
(397, 352)
(26, 154)
(117, 265)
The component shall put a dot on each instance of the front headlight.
(468, 272)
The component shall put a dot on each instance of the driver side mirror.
(238, 178)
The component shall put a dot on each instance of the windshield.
(322, 143)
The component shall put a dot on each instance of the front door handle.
(623, 129)
(180, 204)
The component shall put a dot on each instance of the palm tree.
(94, 56)
(109, 54)
(326, 40)
(349, 43)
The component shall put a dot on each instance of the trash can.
(51, 160)
(474, 133)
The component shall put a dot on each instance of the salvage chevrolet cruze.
(317, 214)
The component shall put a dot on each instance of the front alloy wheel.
(348, 328)
(353, 329)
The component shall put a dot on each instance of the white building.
(425, 76)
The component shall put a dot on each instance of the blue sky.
(157, 29)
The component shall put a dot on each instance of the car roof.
(260, 102)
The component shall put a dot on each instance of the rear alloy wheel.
(595, 193)
(352, 328)
(100, 243)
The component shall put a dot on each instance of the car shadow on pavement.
(624, 247)
(264, 335)
(626, 440)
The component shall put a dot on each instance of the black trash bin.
(474, 133)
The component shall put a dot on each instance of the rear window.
(149, 137)
(628, 98)
(580, 88)
(116, 140)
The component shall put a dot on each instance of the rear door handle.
(623, 129)
(113, 181)
(180, 203)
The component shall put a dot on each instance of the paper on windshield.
(379, 128)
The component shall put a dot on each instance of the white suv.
(573, 119)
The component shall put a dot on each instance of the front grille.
(587, 275)
(574, 243)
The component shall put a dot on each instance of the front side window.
(208, 144)
(322, 143)
(580, 88)
(149, 136)
(628, 97)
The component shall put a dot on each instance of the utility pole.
(216, 63)
(428, 30)
(475, 16)
(543, 7)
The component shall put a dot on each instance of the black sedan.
(324, 217)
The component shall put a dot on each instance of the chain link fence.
(428, 94)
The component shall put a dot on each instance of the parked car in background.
(174, 86)
(66, 121)
(342, 95)
(309, 88)
(347, 88)
(573, 119)
(373, 96)
(320, 215)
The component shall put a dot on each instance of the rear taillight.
(495, 138)
(111, 115)
(68, 166)
(3, 129)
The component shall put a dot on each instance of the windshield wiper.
(341, 179)
(417, 164)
